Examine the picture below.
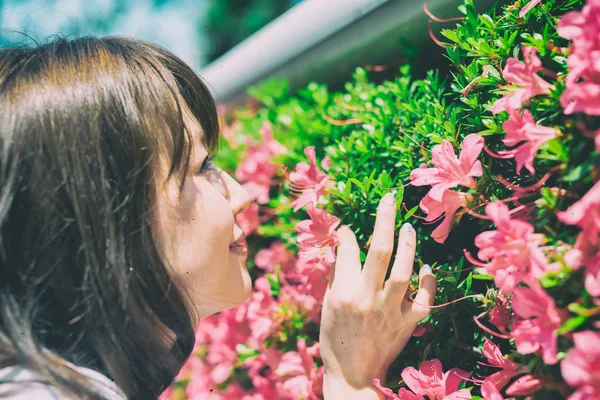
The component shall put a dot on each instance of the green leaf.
(450, 34)
(572, 324)
(410, 213)
(482, 277)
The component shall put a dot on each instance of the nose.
(238, 196)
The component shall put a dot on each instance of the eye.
(207, 165)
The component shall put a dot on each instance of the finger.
(346, 268)
(426, 294)
(397, 283)
(382, 245)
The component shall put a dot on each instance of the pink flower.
(249, 219)
(431, 381)
(523, 128)
(317, 237)
(256, 170)
(524, 76)
(581, 367)
(276, 255)
(585, 213)
(450, 203)
(494, 356)
(309, 181)
(524, 386)
(302, 301)
(313, 278)
(536, 331)
(513, 249)
(583, 81)
(490, 392)
(301, 378)
(581, 97)
(260, 308)
(450, 171)
(403, 394)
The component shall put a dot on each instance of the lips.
(239, 244)
(239, 248)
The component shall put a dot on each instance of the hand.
(366, 321)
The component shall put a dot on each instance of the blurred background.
(199, 31)
(237, 44)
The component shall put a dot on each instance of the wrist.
(337, 388)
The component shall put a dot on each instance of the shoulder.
(20, 383)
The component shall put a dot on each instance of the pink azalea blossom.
(259, 188)
(513, 249)
(301, 378)
(522, 130)
(539, 321)
(403, 394)
(509, 368)
(431, 381)
(450, 171)
(581, 367)
(317, 237)
(308, 181)
(302, 301)
(524, 386)
(249, 219)
(585, 213)
(583, 81)
(260, 308)
(256, 171)
(490, 392)
(315, 278)
(581, 97)
(450, 203)
(276, 255)
(524, 76)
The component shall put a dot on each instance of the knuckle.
(381, 253)
(342, 302)
(397, 283)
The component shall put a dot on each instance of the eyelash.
(207, 165)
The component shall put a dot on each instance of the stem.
(436, 19)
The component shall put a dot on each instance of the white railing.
(324, 40)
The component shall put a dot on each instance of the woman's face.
(196, 233)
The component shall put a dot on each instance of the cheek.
(206, 230)
(197, 230)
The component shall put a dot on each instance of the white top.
(21, 389)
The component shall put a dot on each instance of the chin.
(243, 286)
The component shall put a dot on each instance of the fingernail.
(407, 227)
(389, 198)
(426, 269)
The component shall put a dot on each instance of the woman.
(118, 234)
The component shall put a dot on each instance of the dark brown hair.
(82, 125)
